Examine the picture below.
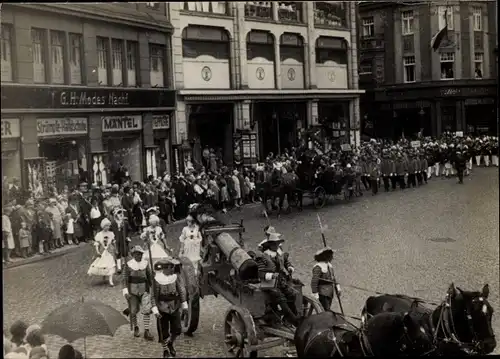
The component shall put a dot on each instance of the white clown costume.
(104, 265)
(154, 234)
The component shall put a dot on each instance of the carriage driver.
(274, 266)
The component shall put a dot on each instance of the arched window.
(291, 47)
(260, 44)
(205, 40)
(332, 49)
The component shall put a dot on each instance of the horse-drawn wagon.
(250, 324)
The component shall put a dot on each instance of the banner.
(415, 144)
(61, 126)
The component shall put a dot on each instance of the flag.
(442, 34)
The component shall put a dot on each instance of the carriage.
(226, 269)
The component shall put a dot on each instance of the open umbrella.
(83, 319)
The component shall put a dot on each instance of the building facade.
(86, 88)
(252, 77)
(411, 87)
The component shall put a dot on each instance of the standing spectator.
(15, 221)
(95, 217)
(15, 191)
(28, 215)
(25, 241)
(212, 160)
(7, 237)
(224, 194)
(236, 188)
(75, 211)
(56, 224)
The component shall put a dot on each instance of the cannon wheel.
(240, 333)
(310, 306)
(192, 319)
(319, 197)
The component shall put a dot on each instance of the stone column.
(241, 38)
(277, 63)
(177, 68)
(312, 113)
(310, 45)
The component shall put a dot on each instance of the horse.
(461, 324)
(329, 334)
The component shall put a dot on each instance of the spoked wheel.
(190, 276)
(319, 197)
(239, 331)
(310, 306)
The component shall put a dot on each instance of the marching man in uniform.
(169, 298)
(322, 282)
(137, 280)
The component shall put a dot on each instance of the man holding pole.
(322, 282)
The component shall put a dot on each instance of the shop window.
(57, 56)
(333, 13)
(259, 9)
(445, 17)
(6, 52)
(75, 60)
(131, 63)
(407, 22)
(102, 60)
(157, 61)
(409, 66)
(117, 59)
(478, 65)
(38, 48)
(368, 29)
(290, 11)
(447, 65)
(213, 7)
(477, 18)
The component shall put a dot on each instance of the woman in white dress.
(154, 234)
(191, 241)
(105, 264)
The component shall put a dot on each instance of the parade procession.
(250, 179)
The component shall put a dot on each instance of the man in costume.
(169, 299)
(322, 281)
(137, 280)
(122, 230)
(276, 271)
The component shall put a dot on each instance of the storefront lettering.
(121, 123)
(450, 92)
(161, 122)
(77, 99)
(61, 126)
(10, 128)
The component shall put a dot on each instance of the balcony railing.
(290, 11)
(259, 9)
(330, 14)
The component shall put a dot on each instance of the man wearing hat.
(137, 280)
(274, 267)
(168, 299)
(322, 280)
(121, 228)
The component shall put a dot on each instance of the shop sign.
(61, 126)
(415, 144)
(121, 123)
(161, 122)
(11, 128)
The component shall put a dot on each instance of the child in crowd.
(25, 241)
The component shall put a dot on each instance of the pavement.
(414, 242)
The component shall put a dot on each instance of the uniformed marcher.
(322, 281)
(137, 280)
(460, 164)
(169, 299)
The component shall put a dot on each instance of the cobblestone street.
(415, 242)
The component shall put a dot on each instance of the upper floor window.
(331, 13)
(6, 52)
(102, 60)
(477, 18)
(368, 27)
(365, 67)
(75, 58)
(290, 11)
(447, 65)
(214, 7)
(407, 22)
(260, 9)
(157, 61)
(478, 65)
(57, 56)
(409, 67)
(38, 49)
(117, 59)
(131, 63)
(445, 17)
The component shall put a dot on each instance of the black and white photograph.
(250, 179)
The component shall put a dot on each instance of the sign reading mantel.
(121, 123)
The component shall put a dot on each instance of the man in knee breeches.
(137, 280)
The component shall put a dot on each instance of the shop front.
(334, 118)
(11, 149)
(161, 156)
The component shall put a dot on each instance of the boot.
(166, 354)
(136, 332)
(171, 349)
(148, 336)
(289, 315)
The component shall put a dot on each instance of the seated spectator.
(18, 332)
(68, 352)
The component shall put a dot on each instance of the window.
(75, 58)
(409, 67)
(38, 40)
(117, 59)
(478, 65)
(153, 5)
(445, 16)
(407, 22)
(131, 63)
(447, 65)
(477, 18)
(57, 56)
(365, 67)
(6, 53)
(102, 60)
(214, 7)
(290, 11)
(332, 13)
(260, 9)
(368, 27)
(157, 58)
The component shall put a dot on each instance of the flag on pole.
(441, 35)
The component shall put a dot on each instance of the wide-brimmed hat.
(105, 222)
(324, 251)
(271, 230)
(137, 249)
(273, 238)
(163, 263)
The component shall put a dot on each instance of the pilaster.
(242, 44)
(175, 20)
(277, 63)
(310, 47)
(312, 113)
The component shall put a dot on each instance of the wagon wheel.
(310, 306)
(239, 333)
(190, 277)
(319, 197)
